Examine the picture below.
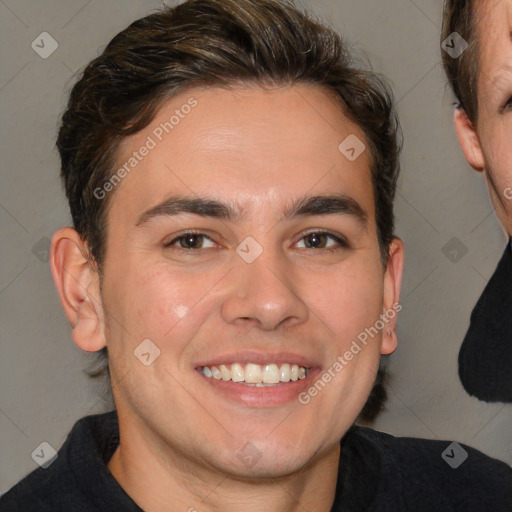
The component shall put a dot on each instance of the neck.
(165, 480)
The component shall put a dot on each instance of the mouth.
(258, 380)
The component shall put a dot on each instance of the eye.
(320, 240)
(190, 240)
(507, 106)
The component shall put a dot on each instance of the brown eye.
(190, 241)
(316, 240)
(321, 240)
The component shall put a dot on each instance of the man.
(231, 175)
(477, 58)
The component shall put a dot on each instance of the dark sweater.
(485, 358)
(378, 472)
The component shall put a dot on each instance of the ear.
(391, 303)
(77, 282)
(468, 140)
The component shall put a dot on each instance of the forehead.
(494, 29)
(253, 146)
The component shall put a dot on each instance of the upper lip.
(258, 358)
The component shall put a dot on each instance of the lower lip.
(266, 396)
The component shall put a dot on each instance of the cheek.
(495, 135)
(499, 166)
(496, 139)
(349, 300)
(169, 300)
(153, 304)
(502, 161)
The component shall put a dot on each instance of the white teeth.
(255, 374)
(237, 373)
(271, 374)
(284, 373)
(225, 373)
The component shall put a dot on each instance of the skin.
(487, 142)
(258, 150)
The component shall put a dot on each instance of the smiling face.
(281, 273)
(488, 146)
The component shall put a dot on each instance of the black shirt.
(485, 358)
(378, 472)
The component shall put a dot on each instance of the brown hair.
(216, 43)
(462, 72)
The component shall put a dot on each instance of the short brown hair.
(462, 72)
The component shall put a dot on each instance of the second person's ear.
(468, 140)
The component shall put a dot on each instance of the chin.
(260, 460)
(269, 467)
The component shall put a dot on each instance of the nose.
(264, 293)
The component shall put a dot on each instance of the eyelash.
(342, 241)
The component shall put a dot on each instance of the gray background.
(43, 388)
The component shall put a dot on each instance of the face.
(241, 245)
(494, 125)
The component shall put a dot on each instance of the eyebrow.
(332, 204)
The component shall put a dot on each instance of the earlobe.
(389, 341)
(77, 283)
(468, 140)
(392, 285)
